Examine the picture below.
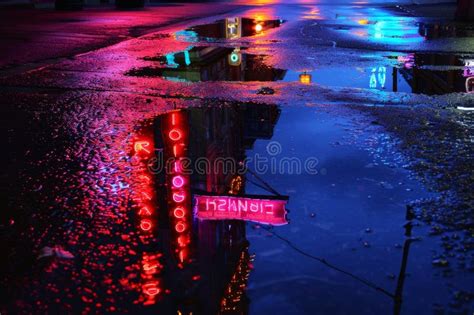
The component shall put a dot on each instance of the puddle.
(420, 73)
(121, 234)
(431, 74)
(209, 258)
(381, 78)
(354, 166)
(211, 64)
(229, 28)
(352, 214)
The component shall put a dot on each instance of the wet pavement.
(360, 115)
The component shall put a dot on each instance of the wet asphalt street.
(376, 95)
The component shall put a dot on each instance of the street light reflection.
(305, 78)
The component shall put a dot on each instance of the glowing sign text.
(176, 139)
(266, 211)
(144, 198)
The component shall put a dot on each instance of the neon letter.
(178, 181)
(141, 146)
(146, 225)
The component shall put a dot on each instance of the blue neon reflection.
(380, 26)
(378, 78)
(170, 60)
(187, 60)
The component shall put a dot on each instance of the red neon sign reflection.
(265, 211)
(175, 138)
(144, 199)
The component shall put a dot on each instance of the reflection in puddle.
(420, 73)
(432, 31)
(331, 213)
(230, 28)
(198, 266)
(377, 25)
(378, 77)
(437, 73)
(415, 72)
(212, 64)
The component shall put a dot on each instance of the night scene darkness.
(262, 157)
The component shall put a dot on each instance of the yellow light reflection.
(313, 13)
(305, 78)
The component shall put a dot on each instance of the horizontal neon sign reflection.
(265, 211)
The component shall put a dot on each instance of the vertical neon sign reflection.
(150, 267)
(176, 138)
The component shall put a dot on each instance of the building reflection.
(217, 64)
(420, 71)
(204, 265)
(235, 27)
